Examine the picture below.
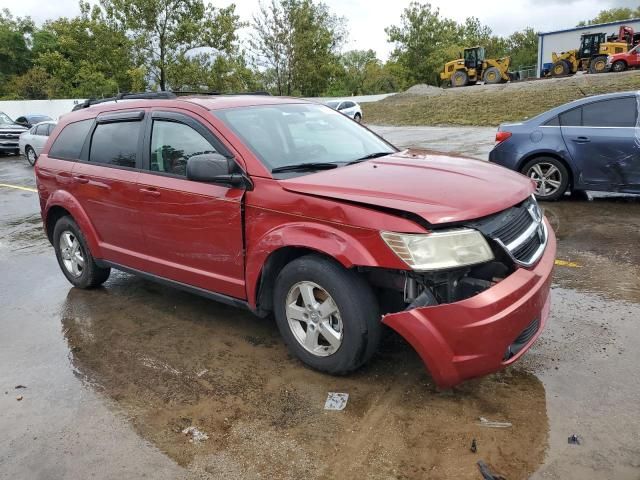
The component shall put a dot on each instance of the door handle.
(81, 179)
(581, 140)
(150, 191)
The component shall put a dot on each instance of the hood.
(438, 188)
(12, 126)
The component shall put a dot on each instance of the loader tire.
(560, 69)
(492, 76)
(598, 65)
(459, 79)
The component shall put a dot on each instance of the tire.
(598, 65)
(545, 190)
(492, 76)
(459, 79)
(90, 275)
(618, 66)
(355, 316)
(357, 117)
(30, 153)
(560, 69)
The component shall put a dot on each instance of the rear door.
(105, 185)
(193, 230)
(40, 137)
(601, 138)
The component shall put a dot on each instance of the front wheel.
(619, 66)
(492, 76)
(31, 155)
(550, 176)
(327, 315)
(357, 117)
(74, 257)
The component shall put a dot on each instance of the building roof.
(587, 27)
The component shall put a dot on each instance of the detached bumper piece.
(486, 332)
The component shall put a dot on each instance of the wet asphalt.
(113, 376)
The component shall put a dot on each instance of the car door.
(193, 230)
(348, 108)
(40, 137)
(601, 139)
(106, 185)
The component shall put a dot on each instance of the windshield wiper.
(367, 157)
(303, 167)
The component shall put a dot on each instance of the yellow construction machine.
(593, 52)
(472, 67)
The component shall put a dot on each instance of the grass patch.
(492, 105)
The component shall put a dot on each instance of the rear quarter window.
(68, 144)
(571, 118)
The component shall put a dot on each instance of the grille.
(521, 341)
(519, 230)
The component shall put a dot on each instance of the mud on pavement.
(172, 361)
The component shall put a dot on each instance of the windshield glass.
(283, 135)
(4, 118)
(38, 118)
(333, 105)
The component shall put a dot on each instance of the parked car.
(348, 108)
(32, 141)
(31, 119)
(590, 144)
(285, 207)
(9, 134)
(622, 61)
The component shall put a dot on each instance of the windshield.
(38, 118)
(283, 135)
(4, 118)
(333, 105)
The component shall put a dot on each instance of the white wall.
(569, 40)
(51, 108)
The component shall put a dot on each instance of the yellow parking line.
(18, 187)
(565, 263)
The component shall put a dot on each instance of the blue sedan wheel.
(550, 176)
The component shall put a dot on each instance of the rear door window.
(68, 144)
(116, 144)
(617, 112)
(572, 118)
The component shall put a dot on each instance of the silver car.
(32, 141)
(348, 108)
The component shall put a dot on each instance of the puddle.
(24, 234)
(171, 360)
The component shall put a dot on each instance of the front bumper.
(470, 338)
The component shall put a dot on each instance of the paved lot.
(114, 375)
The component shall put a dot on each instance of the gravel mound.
(423, 89)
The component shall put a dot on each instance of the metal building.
(563, 40)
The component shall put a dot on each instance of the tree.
(15, 55)
(168, 33)
(358, 65)
(522, 46)
(612, 15)
(296, 43)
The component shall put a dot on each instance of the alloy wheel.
(314, 318)
(72, 253)
(31, 156)
(547, 178)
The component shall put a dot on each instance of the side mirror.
(214, 168)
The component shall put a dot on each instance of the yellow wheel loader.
(593, 52)
(473, 67)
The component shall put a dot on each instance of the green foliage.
(296, 42)
(170, 34)
(15, 55)
(522, 46)
(612, 15)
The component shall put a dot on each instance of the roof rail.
(153, 96)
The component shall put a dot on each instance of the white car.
(348, 108)
(32, 141)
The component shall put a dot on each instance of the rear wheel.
(74, 257)
(619, 66)
(492, 76)
(327, 315)
(598, 65)
(459, 79)
(550, 176)
(560, 68)
(31, 155)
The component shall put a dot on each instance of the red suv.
(287, 207)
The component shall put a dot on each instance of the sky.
(367, 19)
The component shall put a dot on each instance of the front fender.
(63, 199)
(350, 246)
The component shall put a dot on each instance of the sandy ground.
(115, 375)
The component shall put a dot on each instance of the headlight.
(440, 250)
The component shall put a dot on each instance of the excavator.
(473, 66)
(593, 52)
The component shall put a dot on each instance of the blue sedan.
(589, 144)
